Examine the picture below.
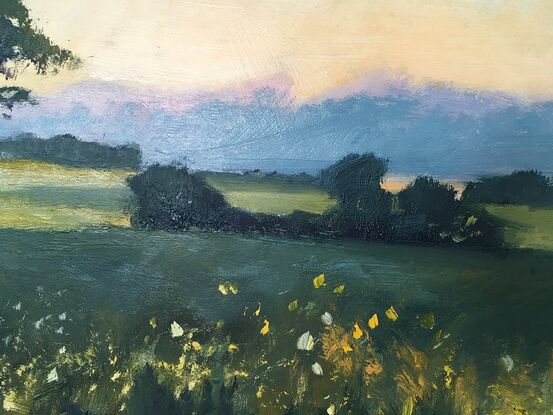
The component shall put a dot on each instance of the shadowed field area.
(119, 320)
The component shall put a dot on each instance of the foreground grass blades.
(126, 364)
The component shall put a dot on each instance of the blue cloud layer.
(447, 133)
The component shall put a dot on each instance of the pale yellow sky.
(503, 45)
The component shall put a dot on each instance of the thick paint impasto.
(276, 207)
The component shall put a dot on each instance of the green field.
(36, 195)
(87, 309)
(277, 195)
(49, 196)
(270, 195)
(525, 227)
(97, 307)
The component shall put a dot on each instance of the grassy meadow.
(111, 319)
(270, 195)
(50, 196)
(37, 195)
(136, 322)
(276, 195)
(525, 227)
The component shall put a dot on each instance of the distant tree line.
(69, 150)
(260, 176)
(290, 178)
(174, 198)
(527, 187)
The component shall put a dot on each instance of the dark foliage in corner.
(23, 45)
(21, 42)
(70, 151)
(12, 95)
(528, 187)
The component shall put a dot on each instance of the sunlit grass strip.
(27, 173)
(58, 217)
(271, 196)
(18, 210)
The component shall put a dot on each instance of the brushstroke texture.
(443, 132)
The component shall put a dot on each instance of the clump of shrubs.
(174, 198)
(528, 187)
(170, 198)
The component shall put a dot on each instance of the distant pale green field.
(526, 227)
(48, 196)
(270, 195)
(278, 196)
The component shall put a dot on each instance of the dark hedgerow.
(68, 150)
(429, 211)
(528, 187)
(173, 198)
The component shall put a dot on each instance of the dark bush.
(364, 208)
(353, 175)
(528, 187)
(429, 212)
(428, 198)
(172, 198)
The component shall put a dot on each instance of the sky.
(317, 45)
(435, 63)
